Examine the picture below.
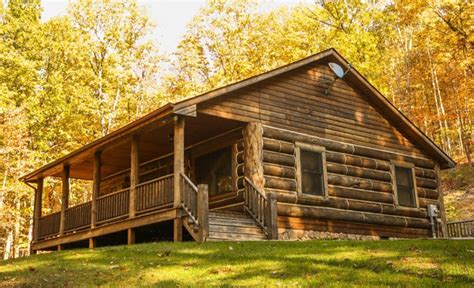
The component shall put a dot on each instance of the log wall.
(360, 188)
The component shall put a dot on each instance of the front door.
(215, 170)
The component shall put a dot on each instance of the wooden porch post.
(203, 212)
(95, 192)
(37, 208)
(64, 200)
(178, 169)
(134, 180)
(442, 210)
(272, 216)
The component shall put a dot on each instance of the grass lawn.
(413, 263)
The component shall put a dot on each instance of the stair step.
(234, 224)
(235, 229)
(223, 221)
(227, 214)
(233, 237)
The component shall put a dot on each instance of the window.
(405, 186)
(215, 170)
(312, 178)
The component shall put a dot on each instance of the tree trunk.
(8, 245)
(444, 140)
(16, 239)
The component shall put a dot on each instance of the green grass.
(412, 263)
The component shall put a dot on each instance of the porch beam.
(96, 186)
(134, 175)
(37, 208)
(64, 198)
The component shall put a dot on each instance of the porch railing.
(78, 217)
(151, 195)
(112, 206)
(189, 197)
(461, 229)
(262, 208)
(155, 193)
(49, 225)
(195, 202)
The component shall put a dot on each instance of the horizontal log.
(240, 169)
(279, 191)
(426, 183)
(350, 204)
(279, 171)
(289, 136)
(278, 146)
(358, 172)
(278, 158)
(357, 161)
(425, 173)
(424, 202)
(427, 193)
(241, 182)
(240, 157)
(350, 216)
(240, 145)
(280, 183)
(359, 183)
(352, 193)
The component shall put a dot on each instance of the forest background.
(74, 78)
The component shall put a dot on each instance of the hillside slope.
(458, 189)
(428, 263)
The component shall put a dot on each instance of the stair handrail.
(189, 197)
(255, 203)
(262, 208)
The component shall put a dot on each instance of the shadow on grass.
(249, 263)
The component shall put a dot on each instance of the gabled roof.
(396, 117)
(187, 107)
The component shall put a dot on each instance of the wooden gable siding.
(296, 101)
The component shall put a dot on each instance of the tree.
(120, 57)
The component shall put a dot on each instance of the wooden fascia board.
(90, 148)
(189, 110)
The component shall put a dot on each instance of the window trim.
(312, 148)
(411, 166)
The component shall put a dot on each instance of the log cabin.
(295, 153)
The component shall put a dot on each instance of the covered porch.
(142, 174)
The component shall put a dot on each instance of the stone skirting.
(292, 234)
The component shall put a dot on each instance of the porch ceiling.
(155, 140)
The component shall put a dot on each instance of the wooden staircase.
(258, 221)
(233, 226)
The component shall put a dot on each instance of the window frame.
(299, 183)
(405, 165)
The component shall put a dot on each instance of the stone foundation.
(292, 234)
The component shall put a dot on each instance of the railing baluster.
(460, 229)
